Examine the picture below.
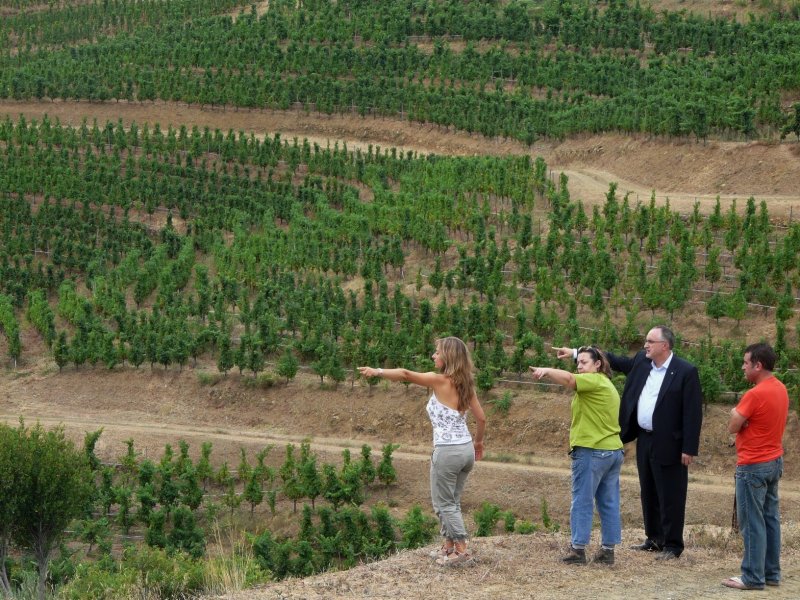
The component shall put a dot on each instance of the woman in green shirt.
(596, 452)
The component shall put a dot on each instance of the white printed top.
(449, 426)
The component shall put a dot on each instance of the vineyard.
(519, 69)
(162, 247)
(283, 251)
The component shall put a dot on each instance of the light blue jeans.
(595, 480)
(759, 521)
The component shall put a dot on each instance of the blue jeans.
(759, 521)
(595, 480)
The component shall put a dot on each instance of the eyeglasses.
(651, 342)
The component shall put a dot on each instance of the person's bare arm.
(564, 352)
(559, 376)
(737, 422)
(429, 380)
(480, 418)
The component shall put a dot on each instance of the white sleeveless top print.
(449, 426)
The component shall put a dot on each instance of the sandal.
(737, 584)
(442, 552)
(455, 558)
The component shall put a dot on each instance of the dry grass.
(528, 567)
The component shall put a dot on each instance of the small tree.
(254, 492)
(716, 306)
(56, 488)
(288, 365)
(185, 534)
(292, 487)
(61, 351)
(310, 480)
(736, 307)
(11, 481)
(368, 471)
(203, 469)
(386, 471)
(331, 485)
(418, 528)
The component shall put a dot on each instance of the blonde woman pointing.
(455, 451)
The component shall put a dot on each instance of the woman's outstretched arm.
(559, 376)
(430, 379)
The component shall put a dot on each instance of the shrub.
(93, 582)
(547, 522)
(524, 527)
(486, 518)
(509, 520)
(503, 404)
(418, 528)
(205, 378)
(163, 575)
(233, 571)
(264, 381)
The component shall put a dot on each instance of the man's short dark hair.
(667, 334)
(762, 353)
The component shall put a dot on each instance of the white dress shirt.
(649, 396)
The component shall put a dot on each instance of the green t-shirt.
(595, 413)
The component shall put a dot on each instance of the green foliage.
(264, 381)
(503, 404)
(204, 378)
(524, 527)
(367, 469)
(486, 518)
(547, 522)
(185, 535)
(49, 483)
(509, 521)
(387, 474)
(285, 299)
(10, 327)
(417, 528)
(288, 365)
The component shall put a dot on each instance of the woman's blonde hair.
(457, 365)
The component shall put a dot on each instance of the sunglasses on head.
(591, 350)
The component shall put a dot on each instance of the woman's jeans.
(759, 521)
(450, 466)
(595, 480)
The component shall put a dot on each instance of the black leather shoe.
(647, 546)
(667, 555)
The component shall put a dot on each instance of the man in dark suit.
(661, 409)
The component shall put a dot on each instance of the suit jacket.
(678, 413)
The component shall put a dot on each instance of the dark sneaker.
(575, 557)
(604, 556)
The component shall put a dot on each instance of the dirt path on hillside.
(681, 171)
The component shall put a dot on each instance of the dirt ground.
(527, 460)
